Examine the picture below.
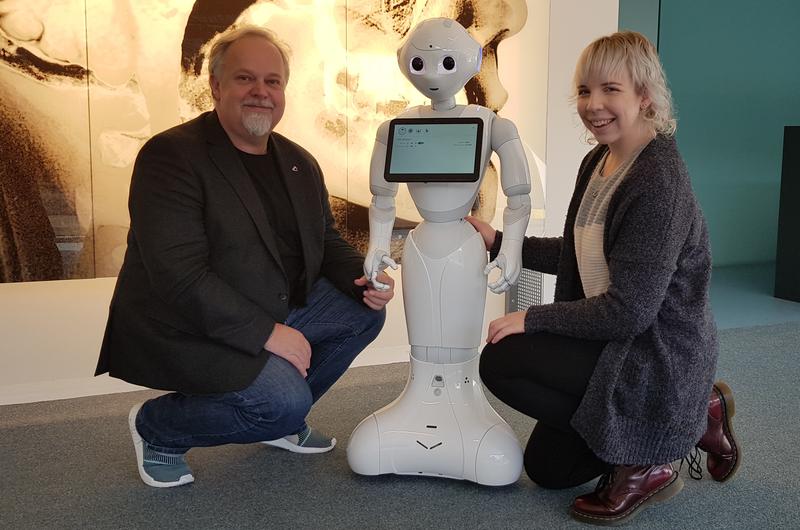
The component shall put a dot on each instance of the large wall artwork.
(84, 83)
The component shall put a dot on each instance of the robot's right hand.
(376, 262)
(509, 273)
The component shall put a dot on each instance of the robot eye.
(417, 65)
(446, 66)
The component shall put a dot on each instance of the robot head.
(439, 57)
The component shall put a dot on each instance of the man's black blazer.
(202, 286)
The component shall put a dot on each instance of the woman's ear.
(646, 101)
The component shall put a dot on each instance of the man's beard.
(257, 123)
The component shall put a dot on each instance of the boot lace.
(693, 461)
(605, 480)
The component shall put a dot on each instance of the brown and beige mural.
(84, 83)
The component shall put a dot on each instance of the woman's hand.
(510, 324)
(484, 229)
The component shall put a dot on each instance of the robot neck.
(443, 104)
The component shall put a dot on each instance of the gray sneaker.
(306, 441)
(160, 470)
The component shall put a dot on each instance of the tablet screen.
(434, 150)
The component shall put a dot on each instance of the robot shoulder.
(382, 133)
(503, 130)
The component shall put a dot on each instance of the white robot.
(442, 425)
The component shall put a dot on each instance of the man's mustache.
(264, 104)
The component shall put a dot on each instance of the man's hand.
(486, 231)
(374, 298)
(290, 344)
(510, 324)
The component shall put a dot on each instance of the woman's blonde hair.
(631, 51)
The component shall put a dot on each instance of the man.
(236, 292)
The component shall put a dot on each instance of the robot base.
(440, 426)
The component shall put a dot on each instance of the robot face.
(439, 57)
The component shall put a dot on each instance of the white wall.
(573, 25)
(50, 332)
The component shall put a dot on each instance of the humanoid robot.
(442, 425)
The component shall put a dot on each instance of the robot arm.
(381, 213)
(516, 183)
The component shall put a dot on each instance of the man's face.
(249, 92)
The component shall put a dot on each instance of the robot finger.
(390, 262)
(380, 286)
(500, 286)
(492, 265)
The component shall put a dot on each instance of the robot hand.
(510, 269)
(376, 262)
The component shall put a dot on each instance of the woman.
(618, 369)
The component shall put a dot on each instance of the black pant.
(545, 376)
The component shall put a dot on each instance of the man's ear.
(213, 82)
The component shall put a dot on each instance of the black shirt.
(280, 214)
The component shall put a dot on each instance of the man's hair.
(632, 52)
(217, 54)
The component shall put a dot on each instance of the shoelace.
(693, 460)
(605, 480)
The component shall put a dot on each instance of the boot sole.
(728, 403)
(665, 492)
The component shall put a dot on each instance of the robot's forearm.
(515, 222)
(381, 222)
(509, 259)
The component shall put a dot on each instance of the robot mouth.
(434, 88)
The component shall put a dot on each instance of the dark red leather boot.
(626, 490)
(724, 456)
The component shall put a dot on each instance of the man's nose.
(260, 88)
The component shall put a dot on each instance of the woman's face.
(611, 109)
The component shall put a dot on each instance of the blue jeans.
(277, 402)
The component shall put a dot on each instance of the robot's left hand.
(376, 262)
(509, 268)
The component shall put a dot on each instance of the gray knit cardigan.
(646, 402)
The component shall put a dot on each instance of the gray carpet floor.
(70, 464)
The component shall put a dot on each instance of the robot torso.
(449, 201)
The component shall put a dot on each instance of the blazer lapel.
(298, 178)
(224, 155)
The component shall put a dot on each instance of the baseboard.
(63, 389)
(95, 386)
(382, 355)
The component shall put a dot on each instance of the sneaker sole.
(281, 443)
(666, 492)
(138, 446)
